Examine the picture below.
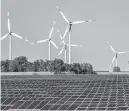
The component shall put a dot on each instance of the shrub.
(116, 69)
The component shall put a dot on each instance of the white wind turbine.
(65, 47)
(49, 41)
(10, 33)
(116, 55)
(68, 29)
(26, 40)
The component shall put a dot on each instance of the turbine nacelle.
(10, 33)
(70, 23)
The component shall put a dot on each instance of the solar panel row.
(89, 92)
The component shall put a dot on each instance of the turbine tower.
(49, 40)
(115, 56)
(68, 29)
(10, 33)
(65, 47)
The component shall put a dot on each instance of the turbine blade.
(63, 41)
(74, 45)
(112, 61)
(54, 44)
(16, 35)
(43, 41)
(8, 25)
(61, 50)
(2, 38)
(78, 22)
(51, 30)
(111, 47)
(90, 20)
(54, 22)
(62, 38)
(59, 33)
(122, 52)
(62, 14)
(60, 43)
(65, 32)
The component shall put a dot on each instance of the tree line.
(21, 64)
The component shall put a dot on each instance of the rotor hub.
(10, 33)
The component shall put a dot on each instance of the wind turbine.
(10, 33)
(65, 46)
(26, 40)
(68, 29)
(116, 54)
(49, 40)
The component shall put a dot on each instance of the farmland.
(65, 92)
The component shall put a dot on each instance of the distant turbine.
(9, 34)
(49, 41)
(26, 40)
(68, 29)
(65, 47)
(116, 55)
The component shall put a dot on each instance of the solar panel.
(87, 92)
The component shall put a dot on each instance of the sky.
(33, 19)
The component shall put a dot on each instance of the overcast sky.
(34, 18)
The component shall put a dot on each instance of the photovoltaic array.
(65, 92)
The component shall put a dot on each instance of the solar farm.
(65, 92)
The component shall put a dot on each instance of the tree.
(36, 66)
(30, 67)
(5, 65)
(42, 65)
(19, 64)
(86, 68)
(76, 68)
(48, 65)
(57, 63)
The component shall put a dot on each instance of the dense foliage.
(21, 64)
